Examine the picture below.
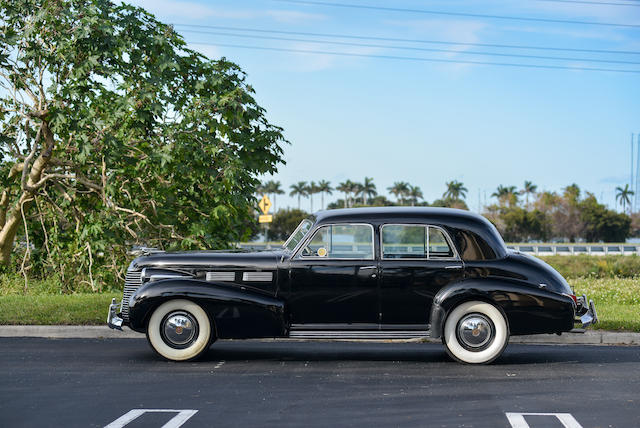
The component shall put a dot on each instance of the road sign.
(265, 205)
(265, 218)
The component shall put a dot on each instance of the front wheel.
(179, 330)
(475, 333)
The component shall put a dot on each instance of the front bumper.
(113, 319)
(586, 312)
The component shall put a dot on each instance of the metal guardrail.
(543, 249)
(538, 249)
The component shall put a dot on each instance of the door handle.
(368, 267)
(453, 267)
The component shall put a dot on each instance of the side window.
(438, 245)
(349, 241)
(404, 242)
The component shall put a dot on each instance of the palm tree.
(414, 193)
(356, 189)
(324, 187)
(299, 189)
(623, 194)
(368, 190)
(399, 190)
(529, 189)
(312, 189)
(455, 190)
(344, 187)
(273, 188)
(506, 194)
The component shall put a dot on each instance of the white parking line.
(175, 422)
(517, 419)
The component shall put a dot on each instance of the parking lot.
(94, 382)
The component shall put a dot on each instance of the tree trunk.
(13, 217)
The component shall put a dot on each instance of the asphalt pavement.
(121, 382)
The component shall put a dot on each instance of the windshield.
(298, 234)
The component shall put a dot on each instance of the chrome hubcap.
(180, 329)
(475, 332)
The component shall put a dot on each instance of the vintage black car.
(365, 273)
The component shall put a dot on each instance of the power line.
(407, 58)
(592, 2)
(369, 45)
(395, 39)
(465, 14)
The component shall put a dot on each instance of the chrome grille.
(132, 281)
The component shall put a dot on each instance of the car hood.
(258, 260)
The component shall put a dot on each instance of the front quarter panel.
(236, 312)
(528, 310)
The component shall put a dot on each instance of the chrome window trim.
(296, 248)
(456, 256)
(299, 256)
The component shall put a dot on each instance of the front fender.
(236, 311)
(529, 310)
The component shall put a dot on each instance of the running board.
(358, 334)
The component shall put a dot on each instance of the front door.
(334, 278)
(417, 261)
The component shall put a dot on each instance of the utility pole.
(635, 195)
(631, 172)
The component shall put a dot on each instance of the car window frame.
(455, 257)
(312, 234)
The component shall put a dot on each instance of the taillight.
(573, 296)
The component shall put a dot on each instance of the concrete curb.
(591, 337)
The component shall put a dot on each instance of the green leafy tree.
(114, 132)
(520, 225)
(603, 224)
(284, 223)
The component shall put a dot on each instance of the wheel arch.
(527, 310)
(233, 311)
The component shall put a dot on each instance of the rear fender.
(529, 310)
(235, 311)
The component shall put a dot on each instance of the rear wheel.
(475, 333)
(179, 330)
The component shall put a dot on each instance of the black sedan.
(365, 273)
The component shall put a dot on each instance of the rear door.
(416, 262)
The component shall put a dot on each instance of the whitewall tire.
(179, 330)
(475, 333)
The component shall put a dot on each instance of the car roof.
(398, 213)
(447, 217)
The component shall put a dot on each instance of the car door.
(416, 262)
(333, 277)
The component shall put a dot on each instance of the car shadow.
(515, 354)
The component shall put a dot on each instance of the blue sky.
(348, 117)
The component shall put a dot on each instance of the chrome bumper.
(113, 320)
(586, 312)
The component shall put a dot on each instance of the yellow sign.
(265, 205)
(265, 219)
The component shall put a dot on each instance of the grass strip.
(50, 309)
